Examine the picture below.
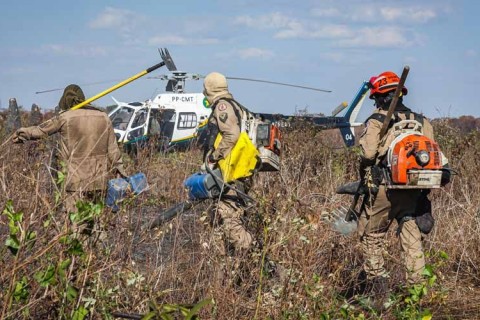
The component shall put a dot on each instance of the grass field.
(162, 272)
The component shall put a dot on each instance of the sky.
(332, 45)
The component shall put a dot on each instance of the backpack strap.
(381, 117)
(237, 113)
(418, 117)
(376, 116)
(213, 129)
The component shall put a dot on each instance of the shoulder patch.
(222, 107)
(223, 117)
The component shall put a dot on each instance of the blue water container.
(117, 190)
(138, 183)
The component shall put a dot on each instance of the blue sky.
(326, 44)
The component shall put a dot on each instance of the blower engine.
(414, 160)
(266, 137)
(204, 185)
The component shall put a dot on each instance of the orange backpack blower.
(414, 160)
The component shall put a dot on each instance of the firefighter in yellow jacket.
(87, 147)
(226, 119)
(383, 206)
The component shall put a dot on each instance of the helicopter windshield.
(121, 118)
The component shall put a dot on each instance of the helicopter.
(176, 119)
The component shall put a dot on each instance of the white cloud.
(326, 12)
(381, 37)
(117, 19)
(249, 53)
(376, 13)
(274, 20)
(413, 14)
(75, 51)
(363, 13)
(290, 28)
(245, 54)
(180, 40)
(314, 31)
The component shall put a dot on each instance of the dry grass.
(136, 269)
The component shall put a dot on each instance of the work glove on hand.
(210, 161)
(18, 136)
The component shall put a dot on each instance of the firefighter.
(382, 206)
(87, 147)
(226, 119)
(35, 115)
(14, 120)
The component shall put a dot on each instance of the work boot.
(356, 286)
(379, 292)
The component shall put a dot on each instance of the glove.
(203, 167)
(210, 163)
(17, 136)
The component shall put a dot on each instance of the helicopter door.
(167, 118)
(138, 126)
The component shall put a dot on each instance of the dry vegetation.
(136, 271)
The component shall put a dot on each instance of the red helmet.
(385, 82)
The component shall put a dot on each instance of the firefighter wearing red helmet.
(382, 206)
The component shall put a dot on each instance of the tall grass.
(136, 270)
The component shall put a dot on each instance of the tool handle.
(170, 213)
(118, 85)
(351, 213)
(394, 102)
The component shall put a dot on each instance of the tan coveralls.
(388, 205)
(229, 209)
(88, 147)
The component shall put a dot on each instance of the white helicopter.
(172, 119)
(176, 118)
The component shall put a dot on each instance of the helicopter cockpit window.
(140, 118)
(187, 120)
(121, 118)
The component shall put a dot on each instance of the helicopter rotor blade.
(81, 85)
(167, 58)
(279, 83)
(272, 82)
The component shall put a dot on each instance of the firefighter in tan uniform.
(87, 147)
(382, 207)
(226, 120)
